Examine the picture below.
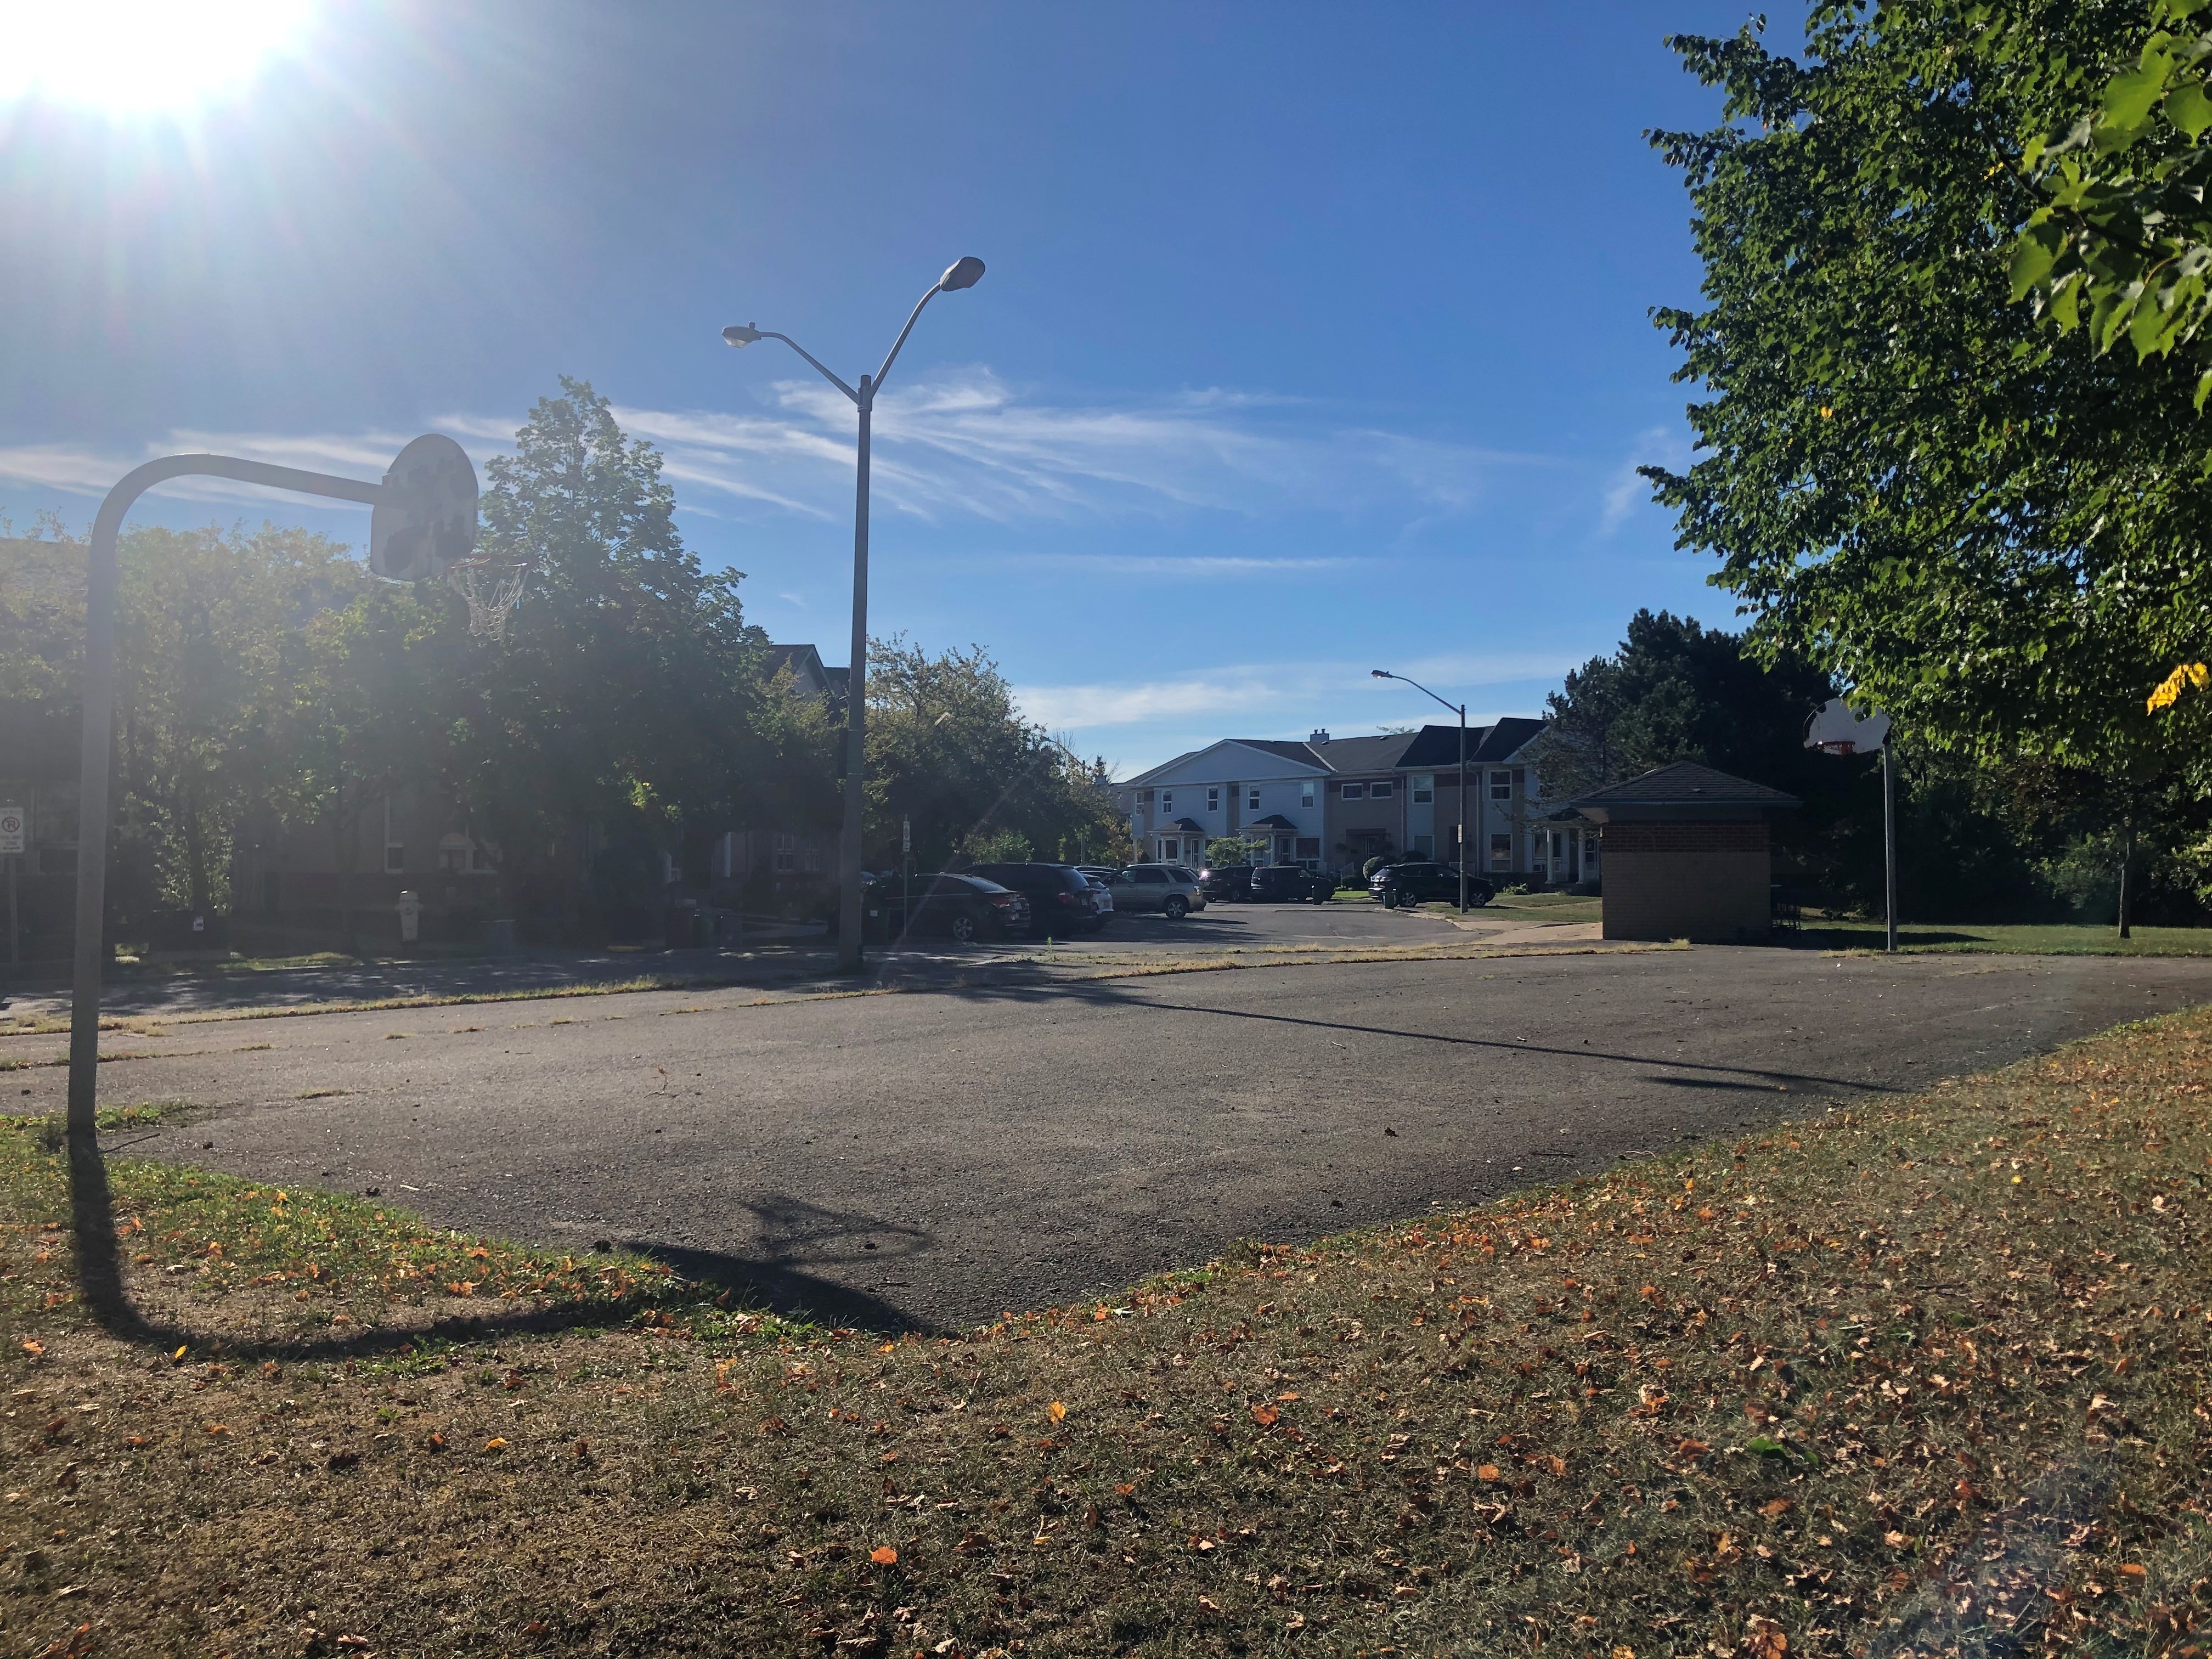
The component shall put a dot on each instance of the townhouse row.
(1333, 804)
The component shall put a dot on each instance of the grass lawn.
(1926, 1378)
(2050, 938)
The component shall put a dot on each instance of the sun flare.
(131, 57)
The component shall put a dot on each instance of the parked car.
(1166, 889)
(1062, 899)
(1226, 883)
(1412, 884)
(1290, 883)
(963, 909)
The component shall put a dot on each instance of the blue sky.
(1314, 339)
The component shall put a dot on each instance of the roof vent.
(1320, 735)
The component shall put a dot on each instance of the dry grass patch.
(1931, 1379)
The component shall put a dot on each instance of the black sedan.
(1412, 884)
(963, 909)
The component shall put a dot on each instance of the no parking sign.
(13, 830)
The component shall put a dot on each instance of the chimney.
(1320, 735)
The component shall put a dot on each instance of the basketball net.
(493, 588)
(1845, 747)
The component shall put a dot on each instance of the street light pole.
(1459, 829)
(964, 273)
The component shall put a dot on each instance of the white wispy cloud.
(1657, 446)
(970, 445)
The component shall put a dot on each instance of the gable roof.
(1342, 755)
(1684, 789)
(1436, 748)
(1300, 756)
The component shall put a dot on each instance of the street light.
(961, 273)
(1459, 708)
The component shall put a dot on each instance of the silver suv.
(1170, 889)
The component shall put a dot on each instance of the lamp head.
(740, 334)
(963, 273)
(1383, 673)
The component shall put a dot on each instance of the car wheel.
(962, 930)
(1176, 907)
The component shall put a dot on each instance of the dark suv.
(1290, 883)
(1412, 884)
(1059, 896)
(1225, 884)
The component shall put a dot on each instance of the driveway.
(930, 1157)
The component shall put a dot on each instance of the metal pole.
(856, 709)
(1888, 852)
(99, 591)
(15, 935)
(1462, 831)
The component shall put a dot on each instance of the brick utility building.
(1687, 854)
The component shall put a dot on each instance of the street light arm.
(819, 367)
(899, 344)
(1457, 707)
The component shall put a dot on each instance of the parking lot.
(931, 1157)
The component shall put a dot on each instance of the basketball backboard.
(1839, 731)
(425, 519)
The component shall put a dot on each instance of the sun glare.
(131, 57)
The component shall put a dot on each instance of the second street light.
(1459, 708)
(964, 273)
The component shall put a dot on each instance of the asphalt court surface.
(928, 1157)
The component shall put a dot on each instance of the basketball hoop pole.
(100, 597)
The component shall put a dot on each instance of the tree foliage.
(949, 749)
(1990, 529)
(1675, 690)
(2125, 235)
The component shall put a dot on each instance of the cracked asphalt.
(927, 1158)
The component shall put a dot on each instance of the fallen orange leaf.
(495, 1444)
(1055, 1411)
(884, 1556)
(1487, 1472)
(1265, 1416)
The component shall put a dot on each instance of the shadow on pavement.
(770, 1283)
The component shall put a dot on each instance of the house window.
(1352, 791)
(395, 853)
(1169, 850)
(1379, 790)
(1305, 794)
(1252, 798)
(1501, 786)
(1501, 852)
(1167, 800)
(457, 854)
(1424, 789)
(786, 852)
(1214, 799)
(1308, 847)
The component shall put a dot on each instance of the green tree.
(208, 630)
(628, 692)
(1987, 528)
(948, 748)
(1676, 690)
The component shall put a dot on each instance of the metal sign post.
(14, 838)
(1836, 730)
